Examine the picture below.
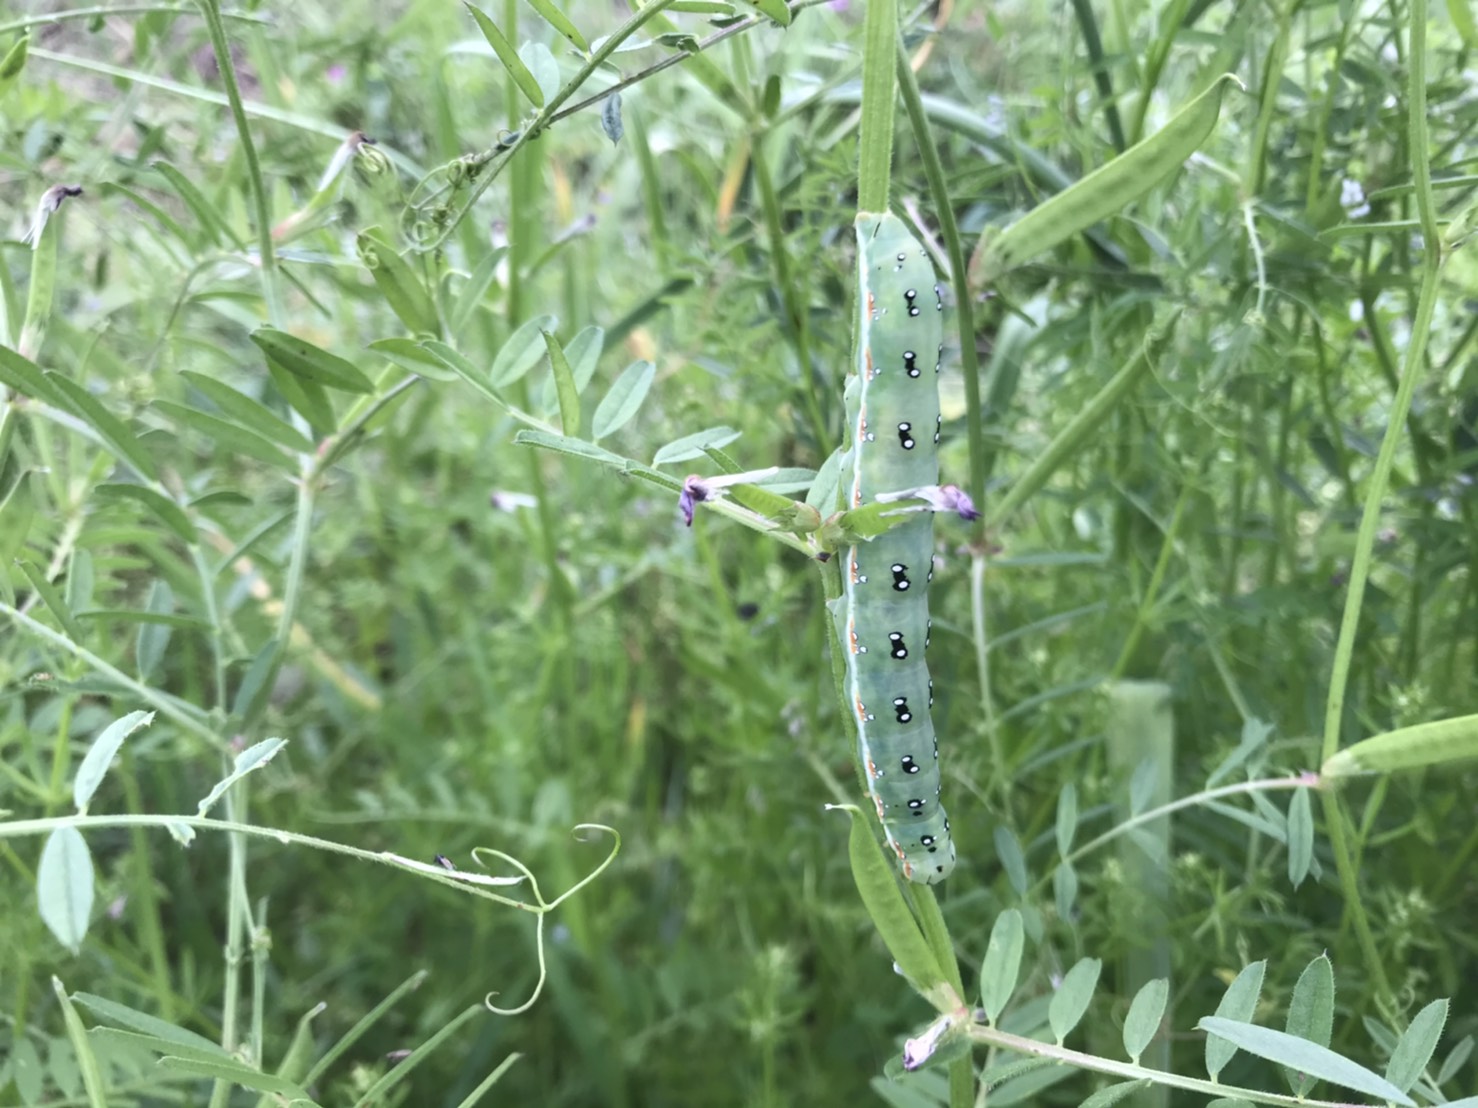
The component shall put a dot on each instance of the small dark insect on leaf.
(747, 610)
(445, 863)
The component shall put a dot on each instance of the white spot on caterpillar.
(905, 439)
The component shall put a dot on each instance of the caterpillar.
(882, 617)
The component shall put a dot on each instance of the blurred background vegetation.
(494, 644)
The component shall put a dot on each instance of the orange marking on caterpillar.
(861, 710)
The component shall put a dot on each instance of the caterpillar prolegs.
(882, 616)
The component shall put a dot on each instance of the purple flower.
(695, 492)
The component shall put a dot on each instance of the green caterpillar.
(882, 617)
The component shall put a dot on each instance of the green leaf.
(1103, 192)
(1311, 1014)
(544, 68)
(399, 283)
(692, 446)
(28, 378)
(153, 638)
(1237, 1003)
(216, 230)
(1456, 1058)
(112, 430)
(235, 439)
(584, 351)
(1067, 817)
(1415, 1048)
(1462, 19)
(135, 1041)
(236, 1073)
(413, 356)
(165, 510)
(510, 59)
(145, 1024)
(253, 682)
(100, 755)
(53, 601)
(14, 60)
(624, 400)
(1300, 837)
(79, 581)
(64, 886)
(521, 352)
(305, 397)
(474, 290)
(1112, 1094)
(1146, 1011)
(561, 23)
(1008, 850)
(310, 363)
(1071, 1000)
(564, 384)
(1065, 890)
(775, 9)
(877, 885)
(1426, 744)
(1304, 1056)
(1001, 968)
(252, 758)
(92, 1074)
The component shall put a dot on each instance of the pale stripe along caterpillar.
(882, 616)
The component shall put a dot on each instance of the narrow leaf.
(1067, 817)
(143, 1023)
(233, 438)
(1065, 890)
(621, 404)
(311, 363)
(100, 755)
(1008, 850)
(305, 397)
(64, 886)
(109, 427)
(692, 446)
(1146, 1011)
(508, 56)
(564, 385)
(1071, 1000)
(1304, 1056)
(521, 352)
(252, 758)
(1001, 968)
(1112, 1094)
(1300, 837)
(53, 601)
(153, 638)
(398, 282)
(542, 65)
(1413, 1052)
(1311, 1014)
(561, 23)
(413, 356)
(26, 377)
(86, 1061)
(164, 509)
(1237, 1003)
(249, 412)
(475, 289)
(878, 887)
(237, 1073)
(584, 351)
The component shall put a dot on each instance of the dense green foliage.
(470, 642)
